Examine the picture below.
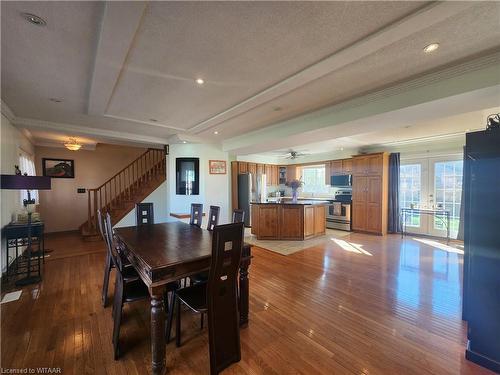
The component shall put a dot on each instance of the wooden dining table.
(166, 252)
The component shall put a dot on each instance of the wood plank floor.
(358, 305)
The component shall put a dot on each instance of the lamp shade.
(18, 182)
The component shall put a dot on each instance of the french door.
(434, 183)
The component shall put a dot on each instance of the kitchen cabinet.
(335, 167)
(328, 173)
(261, 169)
(274, 175)
(370, 193)
(268, 170)
(252, 168)
(347, 166)
(234, 184)
(242, 167)
(292, 172)
(282, 175)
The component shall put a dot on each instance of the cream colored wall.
(62, 208)
(11, 140)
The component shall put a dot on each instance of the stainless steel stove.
(338, 214)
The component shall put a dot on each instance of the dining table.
(167, 252)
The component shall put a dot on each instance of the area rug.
(290, 247)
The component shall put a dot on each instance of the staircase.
(120, 193)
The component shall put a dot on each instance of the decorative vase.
(294, 195)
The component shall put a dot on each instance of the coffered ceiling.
(126, 71)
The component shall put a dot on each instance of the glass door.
(446, 188)
(432, 183)
(413, 193)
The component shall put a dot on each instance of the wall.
(62, 208)
(11, 140)
(214, 189)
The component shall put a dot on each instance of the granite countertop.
(289, 202)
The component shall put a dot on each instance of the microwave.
(341, 180)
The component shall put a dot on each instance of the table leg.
(244, 292)
(158, 360)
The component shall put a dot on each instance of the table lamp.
(19, 182)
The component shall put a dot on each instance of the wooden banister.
(122, 184)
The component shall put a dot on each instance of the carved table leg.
(158, 360)
(244, 286)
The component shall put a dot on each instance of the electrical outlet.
(80, 190)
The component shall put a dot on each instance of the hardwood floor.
(359, 305)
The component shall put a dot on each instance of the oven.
(338, 214)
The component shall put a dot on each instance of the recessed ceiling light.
(342, 149)
(184, 142)
(153, 120)
(200, 81)
(34, 19)
(55, 100)
(216, 132)
(431, 47)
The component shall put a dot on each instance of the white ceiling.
(125, 71)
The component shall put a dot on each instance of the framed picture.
(58, 168)
(217, 166)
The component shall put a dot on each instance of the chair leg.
(105, 283)
(170, 316)
(118, 306)
(178, 322)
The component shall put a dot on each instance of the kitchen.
(349, 194)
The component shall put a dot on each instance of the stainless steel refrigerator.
(251, 188)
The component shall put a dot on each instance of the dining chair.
(108, 264)
(196, 214)
(238, 216)
(218, 297)
(213, 217)
(144, 213)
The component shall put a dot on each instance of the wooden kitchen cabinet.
(370, 193)
(292, 172)
(268, 170)
(242, 167)
(274, 175)
(252, 168)
(328, 173)
(347, 166)
(336, 167)
(261, 169)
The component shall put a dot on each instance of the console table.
(16, 236)
(442, 215)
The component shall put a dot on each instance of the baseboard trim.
(481, 360)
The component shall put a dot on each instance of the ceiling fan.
(292, 154)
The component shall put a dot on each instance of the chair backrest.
(213, 217)
(222, 296)
(115, 257)
(196, 214)
(238, 216)
(99, 221)
(144, 213)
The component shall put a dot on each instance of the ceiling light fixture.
(34, 19)
(431, 47)
(200, 81)
(216, 132)
(184, 141)
(72, 145)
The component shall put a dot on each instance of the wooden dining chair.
(108, 264)
(144, 213)
(238, 216)
(196, 214)
(218, 297)
(213, 217)
(127, 289)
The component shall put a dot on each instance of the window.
(314, 179)
(27, 165)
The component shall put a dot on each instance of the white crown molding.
(432, 14)
(7, 112)
(84, 130)
(150, 123)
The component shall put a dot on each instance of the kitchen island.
(284, 220)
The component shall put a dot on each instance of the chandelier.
(72, 145)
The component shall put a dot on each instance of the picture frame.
(58, 168)
(217, 167)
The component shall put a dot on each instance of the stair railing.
(123, 184)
